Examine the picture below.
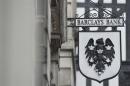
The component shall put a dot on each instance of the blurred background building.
(64, 43)
(38, 49)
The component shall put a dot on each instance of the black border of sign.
(120, 57)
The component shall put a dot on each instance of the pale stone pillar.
(49, 42)
(66, 72)
(20, 60)
(65, 65)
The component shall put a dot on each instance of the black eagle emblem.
(100, 54)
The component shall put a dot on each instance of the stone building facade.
(64, 63)
(38, 49)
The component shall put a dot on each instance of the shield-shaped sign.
(100, 54)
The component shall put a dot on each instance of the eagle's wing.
(90, 51)
(90, 48)
(109, 52)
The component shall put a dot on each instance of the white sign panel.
(99, 54)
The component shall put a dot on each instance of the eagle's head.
(100, 45)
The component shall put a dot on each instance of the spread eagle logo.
(100, 55)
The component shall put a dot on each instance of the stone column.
(65, 65)
(20, 57)
(66, 73)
